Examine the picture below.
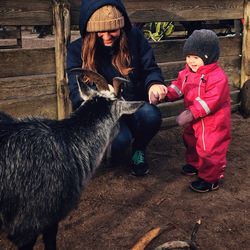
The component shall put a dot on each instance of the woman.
(111, 46)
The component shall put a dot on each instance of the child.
(206, 120)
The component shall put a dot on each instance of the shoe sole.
(141, 175)
(204, 191)
(188, 174)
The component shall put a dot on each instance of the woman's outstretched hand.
(157, 93)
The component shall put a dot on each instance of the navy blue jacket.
(145, 70)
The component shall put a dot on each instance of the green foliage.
(157, 31)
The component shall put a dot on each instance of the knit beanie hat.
(106, 18)
(203, 43)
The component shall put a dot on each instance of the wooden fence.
(33, 81)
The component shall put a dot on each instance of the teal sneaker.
(139, 164)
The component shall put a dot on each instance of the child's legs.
(190, 144)
(212, 159)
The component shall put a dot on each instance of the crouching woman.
(111, 46)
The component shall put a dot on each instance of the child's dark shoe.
(189, 170)
(202, 186)
(139, 164)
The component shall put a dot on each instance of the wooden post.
(19, 36)
(245, 99)
(61, 14)
(245, 66)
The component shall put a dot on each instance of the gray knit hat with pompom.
(203, 43)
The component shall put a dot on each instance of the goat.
(45, 164)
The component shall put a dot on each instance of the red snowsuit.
(206, 94)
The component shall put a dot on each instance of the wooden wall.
(26, 12)
(27, 76)
(175, 10)
(32, 82)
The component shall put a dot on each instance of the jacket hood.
(88, 7)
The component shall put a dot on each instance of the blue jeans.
(139, 127)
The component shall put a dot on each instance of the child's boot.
(202, 186)
(189, 170)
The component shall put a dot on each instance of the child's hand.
(184, 118)
(157, 93)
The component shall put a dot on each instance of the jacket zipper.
(183, 82)
(202, 119)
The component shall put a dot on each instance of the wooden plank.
(25, 12)
(231, 65)
(171, 108)
(29, 96)
(171, 50)
(168, 122)
(10, 34)
(37, 43)
(75, 11)
(10, 46)
(14, 88)
(170, 69)
(245, 66)
(43, 106)
(174, 10)
(181, 10)
(20, 62)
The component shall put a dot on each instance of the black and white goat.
(44, 164)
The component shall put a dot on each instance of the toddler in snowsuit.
(207, 118)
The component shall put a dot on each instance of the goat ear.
(129, 107)
(85, 91)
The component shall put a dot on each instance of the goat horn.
(98, 79)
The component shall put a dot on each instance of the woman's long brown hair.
(121, 59)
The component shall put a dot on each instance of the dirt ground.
(116, 209)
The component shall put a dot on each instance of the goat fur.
(45, 163)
